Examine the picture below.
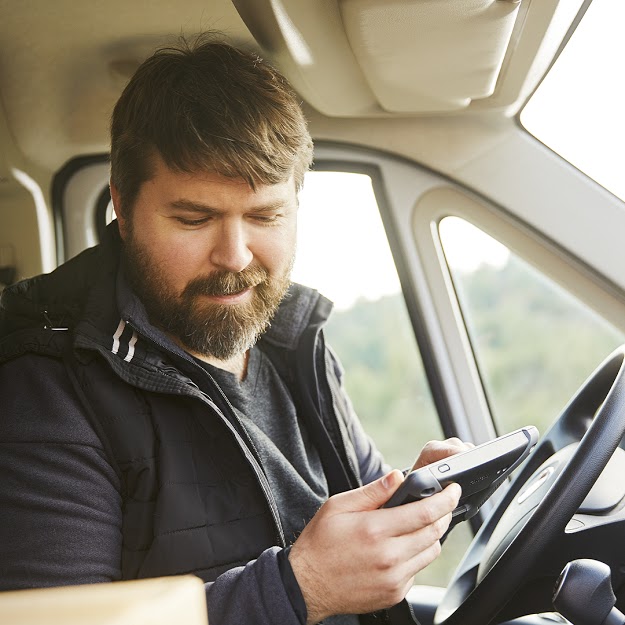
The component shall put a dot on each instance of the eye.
(265, 219)
(192, 222)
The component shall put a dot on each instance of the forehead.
(214, 189)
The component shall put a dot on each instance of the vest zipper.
(250, 457)
(256, 464)
(335, 403)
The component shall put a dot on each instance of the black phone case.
(479, 471)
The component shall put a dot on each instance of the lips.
(224, 284)
(229, 292)
(231, 298)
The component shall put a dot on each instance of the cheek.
(176, 261)
(276, 253)
(188, 260)
(180, 265)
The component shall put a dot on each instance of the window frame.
(570, 273)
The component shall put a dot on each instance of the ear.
(122, 220)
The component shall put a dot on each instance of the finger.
(410, 517)
(452, 445)
(434, 451)
(415, 542)
(422, 559)
(464, 445)
(368, 497)
(407, 557)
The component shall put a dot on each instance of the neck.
(237, 364)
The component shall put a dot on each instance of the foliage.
(384, 376)
(535, 343)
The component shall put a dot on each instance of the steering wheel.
(541, 500)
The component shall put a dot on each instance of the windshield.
(578, 110)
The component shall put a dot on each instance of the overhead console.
(410, 56)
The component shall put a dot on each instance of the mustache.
(226, 282)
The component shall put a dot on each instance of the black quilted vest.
(191, 501)
(195, 497)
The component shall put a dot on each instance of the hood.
(59, 299)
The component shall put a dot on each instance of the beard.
(206, 328)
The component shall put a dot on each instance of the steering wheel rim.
(603, 394)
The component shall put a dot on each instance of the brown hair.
(207, 106)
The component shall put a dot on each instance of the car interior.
(468, 198)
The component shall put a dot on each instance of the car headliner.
(455, 76)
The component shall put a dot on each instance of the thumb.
(372, 495)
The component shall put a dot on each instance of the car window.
(343, 252)
(534, 342)
(578, 109)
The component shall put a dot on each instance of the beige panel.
(392, 58)
(162, 601)
(19, 230)
(429, 55)
(55, 64)
(307, 40)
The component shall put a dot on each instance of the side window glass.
(534, 343)
(343, 252)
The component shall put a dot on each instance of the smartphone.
(479, 471)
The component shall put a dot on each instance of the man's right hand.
(354, 557)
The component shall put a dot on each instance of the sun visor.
(429, 55)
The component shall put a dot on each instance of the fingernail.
(386, 481)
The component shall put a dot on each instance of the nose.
(230, 250)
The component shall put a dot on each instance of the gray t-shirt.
(266, 408)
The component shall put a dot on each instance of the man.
(169, 405)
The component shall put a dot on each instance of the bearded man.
(169, 404)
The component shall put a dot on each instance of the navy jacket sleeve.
(60, 508)
(255, 594)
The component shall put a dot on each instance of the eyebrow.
(197, 207)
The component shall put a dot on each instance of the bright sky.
(342, 249)
(577, 111)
